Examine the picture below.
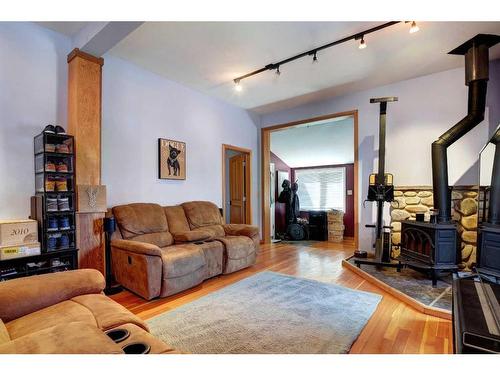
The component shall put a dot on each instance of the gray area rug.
(269, 313)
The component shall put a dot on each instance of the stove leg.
(434, 278)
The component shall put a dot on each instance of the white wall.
(427, 107)
(138, 108)
(33, 81)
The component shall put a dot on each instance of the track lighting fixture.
(359, 36)
(362, 44)
(237, 85)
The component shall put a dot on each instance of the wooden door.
(237, 194)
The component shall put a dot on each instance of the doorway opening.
(236, 185)
(320, 156)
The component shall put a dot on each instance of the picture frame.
(171, 159)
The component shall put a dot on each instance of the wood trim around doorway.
(248, 180)
(265, 176)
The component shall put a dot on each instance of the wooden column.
(84, 123)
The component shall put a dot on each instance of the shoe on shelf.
(49, 147)
(52, 243)
(60, 130)
(64, 241)
(52, 205)
(52, 224)
(51, 129)
(63, 148)
(50, 166)
(50, 184)
(61, 184)
(61, 167)
(64, 223)
(63, 204)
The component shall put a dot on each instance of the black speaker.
(318, 225)
(109, 227)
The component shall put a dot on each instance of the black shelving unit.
(54, 182)
(54, 261)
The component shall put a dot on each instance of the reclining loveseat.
(160, 251)
(66, 313)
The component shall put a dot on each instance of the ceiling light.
(414, 28)
(362, 44)
(278, 70)
(237, 85)
(315, 58)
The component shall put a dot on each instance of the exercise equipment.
(380, 190)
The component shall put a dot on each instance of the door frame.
(248, 180)
(266, 159)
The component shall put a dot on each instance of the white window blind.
(321, 188)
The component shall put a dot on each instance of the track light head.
(362, 43)
(315, 57)
(278, 70)
(237, 85)
(414, 28)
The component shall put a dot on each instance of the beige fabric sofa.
(65, 313)
(159, 251)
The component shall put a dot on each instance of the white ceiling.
(207, 56)
(320, 143)
(67, 28)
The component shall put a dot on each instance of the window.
(321, 188)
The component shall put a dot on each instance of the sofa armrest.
(191, 236)
(241, 230)
(23, 296)
(71, 338)
(137, 247)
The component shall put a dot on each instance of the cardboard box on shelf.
(19, 251)
(18, 232)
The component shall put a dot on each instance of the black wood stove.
(429, 247)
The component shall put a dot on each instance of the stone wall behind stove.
(410, 200)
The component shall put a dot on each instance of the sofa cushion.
(65, 338)
(62, 313)
(108, 313)
(201, 214)
(181, 260)
(237, 247)
(4, 334)
(214, 257)
(176, 218)
(145, 222)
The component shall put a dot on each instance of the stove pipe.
(476, 78)
(494, 204)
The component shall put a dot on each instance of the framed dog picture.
(171, 159)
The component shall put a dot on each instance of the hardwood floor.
(394, 327)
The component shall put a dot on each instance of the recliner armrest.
(191, 236)
(241, 230)
(23, 296)
(72, 338)
(137, 247)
